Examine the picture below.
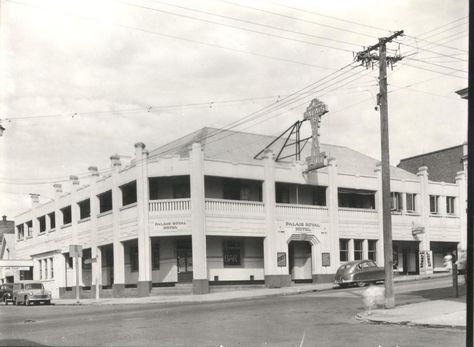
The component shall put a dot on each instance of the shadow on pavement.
(446, 293)
(19, 342)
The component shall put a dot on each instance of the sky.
(82, 80)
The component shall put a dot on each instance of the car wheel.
(5, 301)
(15, 302)
(47, 302)
(361, 284)
(342, 285)
(27, 301)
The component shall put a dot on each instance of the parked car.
(6, 292)
(29, 292)
(359, 272)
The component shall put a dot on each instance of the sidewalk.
(243, 294)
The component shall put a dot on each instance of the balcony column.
(274, 244)
(404, 203)
(461, 207)
(58, 189)
(60, 274)
(365, 249)
(424, 208)
(379, 207)
(34, 214)
(144, 244)
(198, 221)
(119, 261)
(351, 249)
(333, 211)
(94, 211)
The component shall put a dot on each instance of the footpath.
(450, 312)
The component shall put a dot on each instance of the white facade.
(208, 213)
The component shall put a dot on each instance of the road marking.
(302, 340)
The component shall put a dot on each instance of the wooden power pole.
(367, 58)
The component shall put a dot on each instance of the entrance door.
(184, 255)
(300, 261)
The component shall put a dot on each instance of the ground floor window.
(155, 256)
(231, 252)
(344, 250)
(358, 253)
(373, 250)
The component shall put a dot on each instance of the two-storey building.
(201, 210)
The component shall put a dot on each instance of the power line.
(207, 44)
(241, 28)
(295, 18)
(439, 65)
(441, 73)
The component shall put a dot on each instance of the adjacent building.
(200, 212)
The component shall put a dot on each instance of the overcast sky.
(81, 80)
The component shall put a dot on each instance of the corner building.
(201, 212)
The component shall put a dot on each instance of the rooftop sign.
(314, 112)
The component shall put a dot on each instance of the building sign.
(326, 259)
(426, 264)
(281, 259)
(19, 268)
(301, 227)
(417, 230)
(314, 112)
(176, 225)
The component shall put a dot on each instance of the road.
(314, 319)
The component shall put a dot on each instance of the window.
(52, 220)
(231, 189)
(356, 198)
(20, 231)
(84, 209)
(66, 211)
(373, 250)
(180, 191)
(129, 193)
(86, 254)
(434, 203)
(29, 227)
(358, 250)
(42, 224)
(155, 256)
(450, 205)
(231, 252)
(319, 196)
(396, 199)
(343, 250)
(51, 264)
(134, 259)
(282, 194)
(105, 201)
(411, 202)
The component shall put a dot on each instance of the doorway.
(184, 259)
(299, 261)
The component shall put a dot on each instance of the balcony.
(241, 208)
(285, 211)
(357, 215)
(170, 206)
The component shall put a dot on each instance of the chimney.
(4, 218)
(115, 161)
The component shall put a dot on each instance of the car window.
(359, 266)
(371, 264)
(34, 286)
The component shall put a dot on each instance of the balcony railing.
(303, 210)
(347, 213)
(221, 206)
(170, 205)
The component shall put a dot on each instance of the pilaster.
(379, 208)
(351, 249)
(198, 222)
(94, 207)
(333, 211)
(274, 243)
(365, 249)
(144, 244)
(461, 208)
(58, 189)
(424, 208)
(119, 261)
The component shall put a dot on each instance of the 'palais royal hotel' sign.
(301, 227)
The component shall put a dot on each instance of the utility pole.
(367, 58)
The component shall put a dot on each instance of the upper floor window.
(129, 193)
(42, 224)
(396, 201)
(282, 194)
(180, 191)
(319, 196)
(356, 198)
(105, 201)
(175, 187)
(67, 217)
(434, 208)
(450, 208)
(20, 231)
(52, 220)
(411, 202)
(343, 250)
(29, 227)
(84, 208)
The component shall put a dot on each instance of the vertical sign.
(75, 251)
(326, 259)
(281, 259)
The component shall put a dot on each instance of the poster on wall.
(281, 259)
(326, 259)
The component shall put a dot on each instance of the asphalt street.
(315, 319)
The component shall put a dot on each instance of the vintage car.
(29, 292)
(359, 272)
(6, 292)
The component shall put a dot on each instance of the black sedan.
(359, 272)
